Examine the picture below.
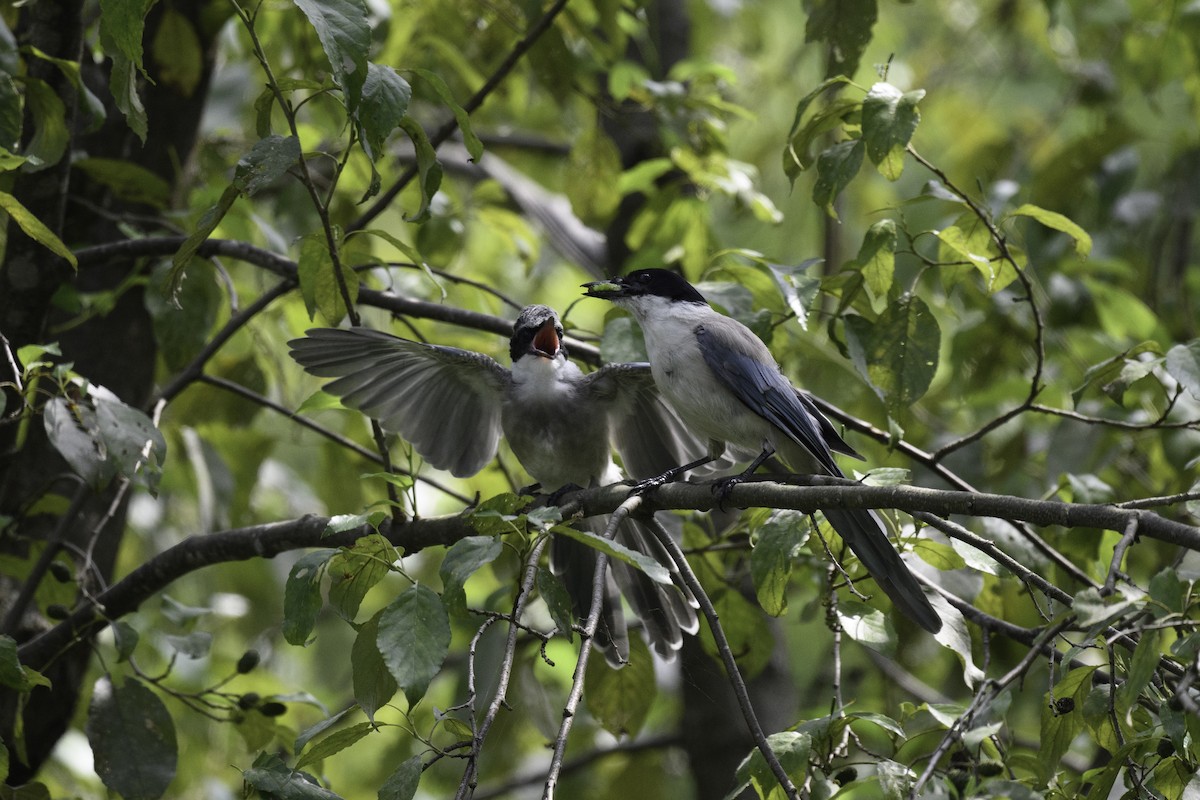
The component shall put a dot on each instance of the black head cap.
(655, 282)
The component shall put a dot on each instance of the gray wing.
(645, 431)
(443, 400)
(758, 384)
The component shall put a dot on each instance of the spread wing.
(645, 431)
(443, 400)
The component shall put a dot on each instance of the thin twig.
(1114, 567)
(599, 583)
(722, 643)
(983, 698)
(466, 787)
(473, 103)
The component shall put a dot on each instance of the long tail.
(666, 612)
(863, 532)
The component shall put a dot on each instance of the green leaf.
(374, 685)
(470, 140)
(974, 245)
(557, 601)
(122, 83)
(1183, 364)
(647, 564)
(414, 637)
(877, 257)
(798, 287)
(345, 36)
(889, 118)
(791, 749)
(334, 743)
(898, 353)
(429, 169)
(131, 443)
(268, 160)
(125, 638)
(836, 167)
(127, 180)
(315, 730)
(35, 229)
(1058, 222)
(50, 135)
(177, 52)
(1094, 609)
(844, 25)
(402, 784)
(121, 22)
(1141, 669)
(318, 284)
(745, 628)
(302, 595)
(353, 571)
(72, 438)
(620, 699)
(12, 674)
(462, 560)
(280, 783)
(776, 544)
(867, 625)
(384, 103)
(130, 719)
(208, 222)
(196, 644)
(1060, 727)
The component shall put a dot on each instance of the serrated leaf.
(798, 287)
(315, 730)
(35, 229)
(384, 103)
(134, 446)
(844, 25)
(268, 160)
(620, 699)
(867, 625)
(355, 570)
(776, 544)
(557, 601)
(647, 564)
(127, 180)
(345, 36)
(131, 719)
(836, 167)
(429, 169)
(281, 783)
(402, 784)
(123, 82)
(976, 247)
(373, 684)
(177, 52)
(302, 595)
(1183, 364)
(877, 257)
(334, 743)
(889, 119)
(470, 140)
(898, 353)
(791, 750)
(414, 637)
(1058, 222)
(462, 560)
(12, 674)
(745, 628)
(1059, 729)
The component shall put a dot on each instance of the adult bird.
(725, 385)
(452, 405)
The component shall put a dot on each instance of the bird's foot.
(555, 497)
(723, 487)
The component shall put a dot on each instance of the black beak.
(607, 289)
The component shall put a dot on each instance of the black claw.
(554, 497)
(723, 487)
